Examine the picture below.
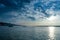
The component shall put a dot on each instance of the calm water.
(29, 33)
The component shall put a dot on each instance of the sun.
(51, 18)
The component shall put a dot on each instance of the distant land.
(11, 25)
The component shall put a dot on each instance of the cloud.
(12, 5)
(28, 11)
(2, 6)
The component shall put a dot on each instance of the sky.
(30, 12)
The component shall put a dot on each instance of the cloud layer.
(26, 11)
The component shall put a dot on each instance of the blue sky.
(29, 11)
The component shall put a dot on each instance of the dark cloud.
(13, 5)
(9, 6)
(31, 18)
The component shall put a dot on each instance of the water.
(29, 33)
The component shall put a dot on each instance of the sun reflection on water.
(51, 33)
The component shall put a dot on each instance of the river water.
(29, 33)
